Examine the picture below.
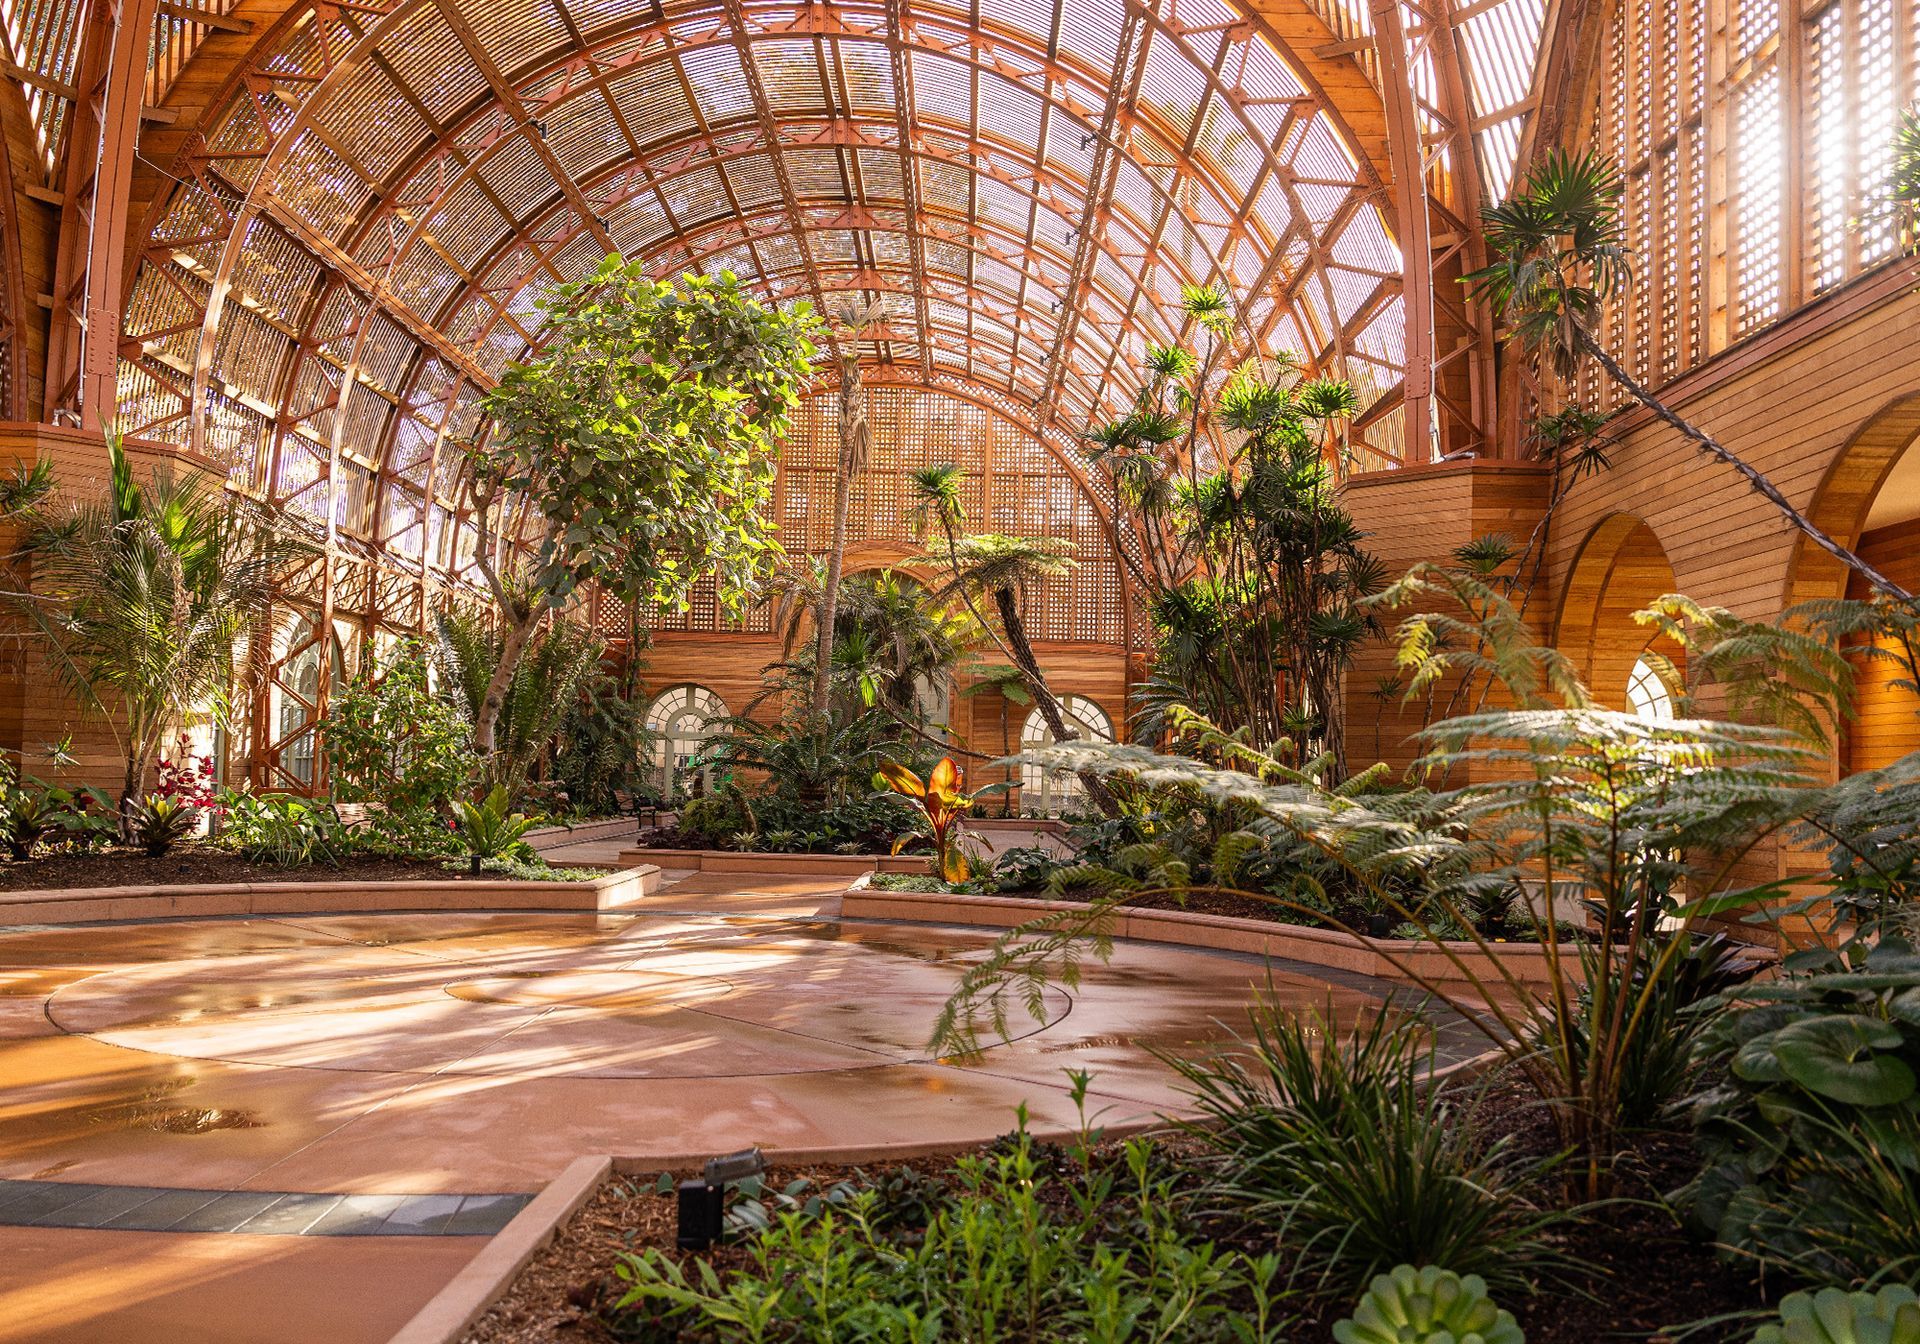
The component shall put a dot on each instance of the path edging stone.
(450, 1312)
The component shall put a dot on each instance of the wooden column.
(84, 356)
(1416, 234)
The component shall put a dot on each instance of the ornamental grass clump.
(1337, 1143)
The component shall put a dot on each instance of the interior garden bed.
(1226, 904)
(205, 865)
(1650, 1276)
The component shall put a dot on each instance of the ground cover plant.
(1020, 1244)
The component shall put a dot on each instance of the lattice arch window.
(1054, 791)
(682, 720)
(1648, 694)
(293, 699)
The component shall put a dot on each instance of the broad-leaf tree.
(1559, 256)
(143, 596)
(641, 445)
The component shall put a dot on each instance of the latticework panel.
(366, 229)
(1015, 482)
(1755, 141)
(43, 46)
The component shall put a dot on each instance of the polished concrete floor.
(458, 1056)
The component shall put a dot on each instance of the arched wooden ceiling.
(360, 204)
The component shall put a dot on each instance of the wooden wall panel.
(1421, 514)
(1823, 408)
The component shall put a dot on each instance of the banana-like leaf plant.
(941, 799)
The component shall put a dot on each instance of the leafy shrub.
(490, 828)
(395, 745)
(1428, 1306)
(1812, 1138)
(1343, 1147)
(1830, 1316)
(158, 823)
(185, 776)
(921, 882)
(1015, 1252)
(280, 829)
(80, 818)
(860, 825)
(599, 753)
(1023, 868)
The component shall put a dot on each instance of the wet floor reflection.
(448, 1045)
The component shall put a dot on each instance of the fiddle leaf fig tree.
(640, 444)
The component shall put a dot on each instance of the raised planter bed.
(86, 905)
(791, 865)
(558, 837)
(1528, 962)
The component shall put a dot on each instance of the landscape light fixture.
(702, 1202)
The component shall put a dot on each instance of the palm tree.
(1560, 254)
(856, 443)
(544, 686)
(1011, 684)
(889, 636)
(1005, 569)
(143, 596)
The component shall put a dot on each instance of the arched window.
(293, 699)
(1647, 694)
(1053, 791)
(680, 721)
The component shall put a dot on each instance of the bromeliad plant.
(489, 828)
(944, 805)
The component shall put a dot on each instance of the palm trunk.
(1759, 482)
(1022, 649)
(830, 592)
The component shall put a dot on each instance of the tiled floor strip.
(146, 1208)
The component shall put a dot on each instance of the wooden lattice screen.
(1755, 138)
(1014, 484)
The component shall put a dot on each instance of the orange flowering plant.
(941, 800)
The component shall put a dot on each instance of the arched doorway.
(1870, 502)
(1054, 791)
(1622, 568)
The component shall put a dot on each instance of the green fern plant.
(1832, 1316)
(1428, 1306)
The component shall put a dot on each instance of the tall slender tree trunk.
(828, 610)
(855, 439)
(511, 649)
(1043, 698)
(1760, 483)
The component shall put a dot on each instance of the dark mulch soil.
(203, 865)
(1653, 1275)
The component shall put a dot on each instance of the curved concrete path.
(446, 1055)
